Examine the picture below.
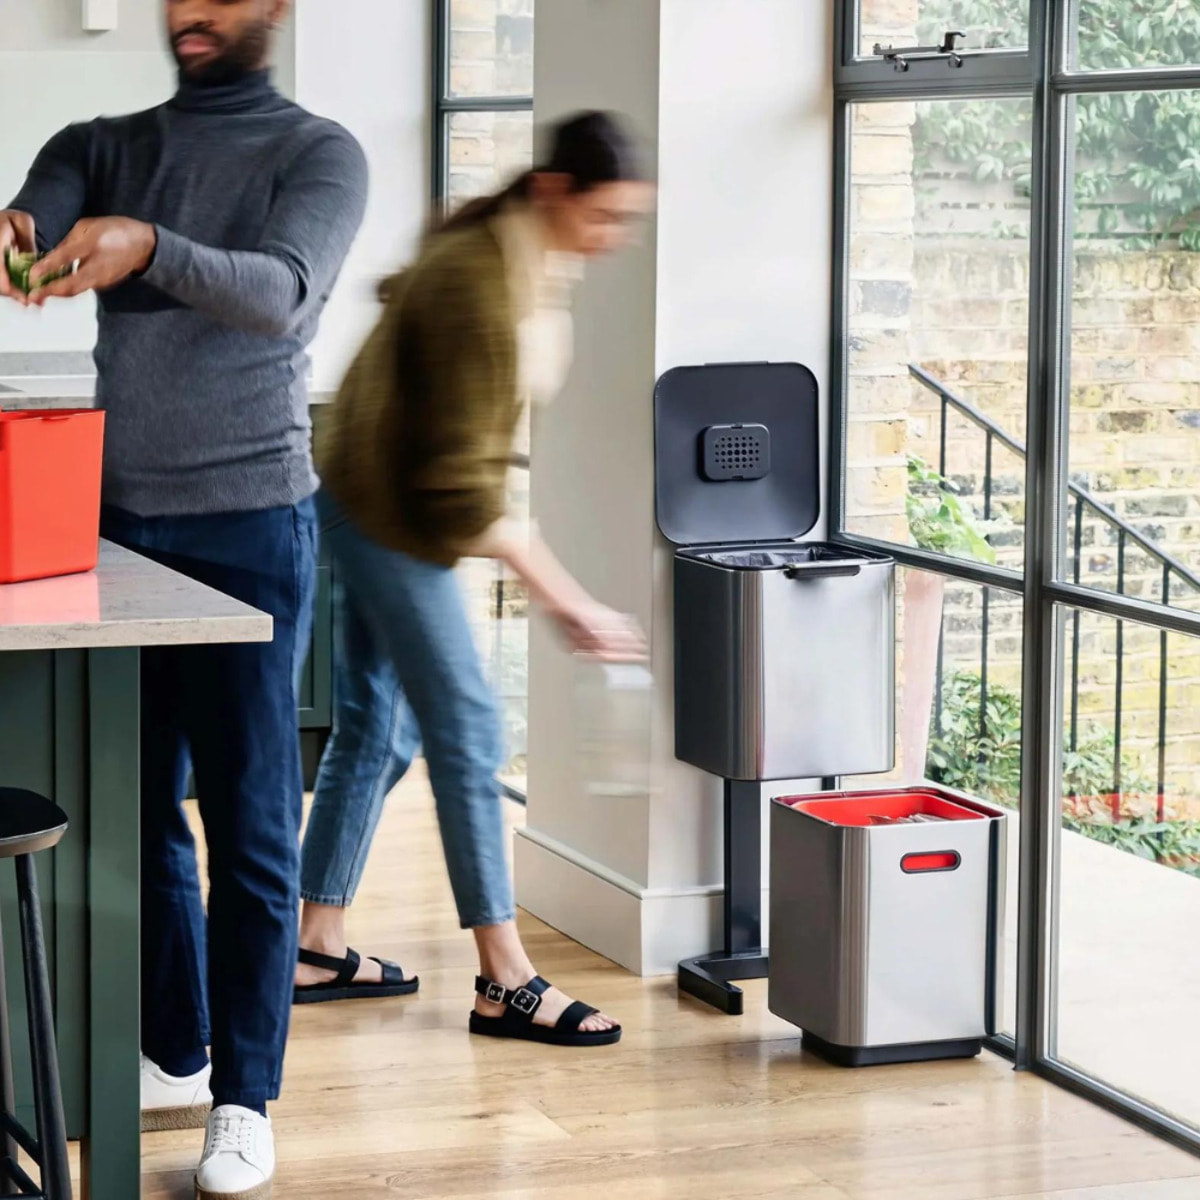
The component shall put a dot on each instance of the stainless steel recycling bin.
(784, 661)
(784, 650)
(887, 914)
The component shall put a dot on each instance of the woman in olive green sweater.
(414, 462)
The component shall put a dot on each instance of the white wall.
(745, 255)
(592, 474)
(736, 98)
(366, 63)
(53, 73)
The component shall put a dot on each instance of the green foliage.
(1176, 843)
(983, 758)
(20, 264)
(1137, 153)
(938, 520)
(1088, 769)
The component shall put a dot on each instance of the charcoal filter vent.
(736, 452)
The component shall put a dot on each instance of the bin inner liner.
(883, 809)
(767, 559)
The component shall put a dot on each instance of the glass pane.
(491, 48)
(1129, 860)
(486, 150)
(1122, 34)
(958, 712)
(498, 609)
(988, 24)
(938, 337)
(1133, 521)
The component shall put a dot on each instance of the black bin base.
(877, 1056)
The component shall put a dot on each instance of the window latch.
(900, 56)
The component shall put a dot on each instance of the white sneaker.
(239, 1156)
(174, 1102)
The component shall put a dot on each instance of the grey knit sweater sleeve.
(271, 289)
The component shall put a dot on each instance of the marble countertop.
(71, 391)
(127, 601)
(60, 379)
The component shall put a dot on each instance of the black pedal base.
(710, 977)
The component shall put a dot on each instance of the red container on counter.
(50, 465)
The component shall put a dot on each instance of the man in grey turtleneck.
(212, 229)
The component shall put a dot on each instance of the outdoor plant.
(938, 519)
(1137, 153)
(1088, 769)
(1174, 843)
(980, 753)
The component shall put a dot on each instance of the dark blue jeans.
(227, 713)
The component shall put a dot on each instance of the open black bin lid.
(736, 453)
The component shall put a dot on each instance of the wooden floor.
(393, 1098)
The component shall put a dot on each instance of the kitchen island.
(68, 380)
(70, 729)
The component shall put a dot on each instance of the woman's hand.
(586, 626)
(599, 632)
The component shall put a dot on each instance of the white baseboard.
(645, 930)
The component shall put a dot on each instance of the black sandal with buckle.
(343, 987)
(521, 1005)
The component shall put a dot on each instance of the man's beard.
(234, 60)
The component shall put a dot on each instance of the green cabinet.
(69, 728)
(316, 683)
(42, 748)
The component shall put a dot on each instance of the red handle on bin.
(919, 864)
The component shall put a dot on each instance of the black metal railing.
(1081, 502)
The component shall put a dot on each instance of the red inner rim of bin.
(858, 810)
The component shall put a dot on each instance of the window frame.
(992, 72)
(1041, 72)
(445, 106)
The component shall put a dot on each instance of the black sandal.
(343, 986)
(521, 1004)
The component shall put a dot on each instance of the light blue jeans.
(407, 675)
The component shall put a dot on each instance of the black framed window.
(482, 137)
(1017, 419)
(483, 95)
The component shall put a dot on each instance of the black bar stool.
(29, 823)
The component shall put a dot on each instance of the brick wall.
(491, 54)
(939, 276)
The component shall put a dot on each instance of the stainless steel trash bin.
(887, 912)
(784, 651)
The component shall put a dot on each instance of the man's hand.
(108, 249)
(16, 233)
